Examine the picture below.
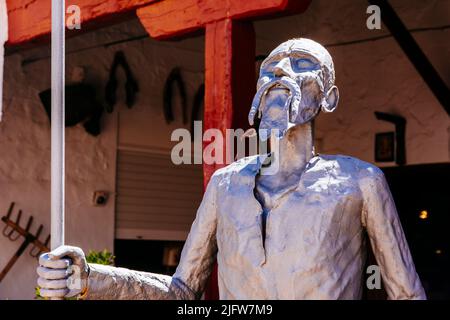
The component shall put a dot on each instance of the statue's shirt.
(315, 235)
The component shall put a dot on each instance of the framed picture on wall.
(385, 147)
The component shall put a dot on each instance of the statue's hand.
(63, 272)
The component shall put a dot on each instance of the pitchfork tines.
(14, 231)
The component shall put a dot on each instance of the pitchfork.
(14, 231)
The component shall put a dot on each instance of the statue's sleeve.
(188, 282)
(388, 240)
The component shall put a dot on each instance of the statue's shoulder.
(351, 166)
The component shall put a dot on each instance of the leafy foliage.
(101, 257)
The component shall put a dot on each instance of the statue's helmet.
(297, 79)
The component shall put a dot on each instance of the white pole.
(58, 124)
(3, 39)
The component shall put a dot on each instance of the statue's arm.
(111, 283)
(388, 241)
(188, 282)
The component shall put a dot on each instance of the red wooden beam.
(229, 78)
(229, 88)
(229, 56)
(169, 18)
(31, 19)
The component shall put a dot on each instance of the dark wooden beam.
(414, 53)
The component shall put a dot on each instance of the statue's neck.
(296, 149)
(294, 152)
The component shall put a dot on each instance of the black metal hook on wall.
(131, 85)
(174, 79)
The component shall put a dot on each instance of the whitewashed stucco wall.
(25, 171)
(374, 75)
(90, 161)
(371, 75)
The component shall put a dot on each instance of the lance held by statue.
(296, 233)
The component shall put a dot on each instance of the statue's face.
(296, 80)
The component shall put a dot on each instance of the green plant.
(37, 293)
(99, 257)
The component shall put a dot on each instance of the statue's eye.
(268, 67)
(304, 64)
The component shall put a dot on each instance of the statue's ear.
(331, 100)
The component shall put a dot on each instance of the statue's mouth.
(276, 96)
(279, 86)
(275, 106)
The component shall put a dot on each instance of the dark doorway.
(422, 197)
(148, 255)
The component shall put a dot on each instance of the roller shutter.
(156, 200)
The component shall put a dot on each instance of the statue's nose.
(283, 67)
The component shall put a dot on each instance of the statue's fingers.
(53, 293)
(60, 252)
(53, 274)
(74, 253)
(46, 261)
(52, 284)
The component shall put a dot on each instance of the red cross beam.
(229, 50)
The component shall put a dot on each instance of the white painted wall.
(25, 170)
(145, 126)
(90, 161)
(372, 75)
